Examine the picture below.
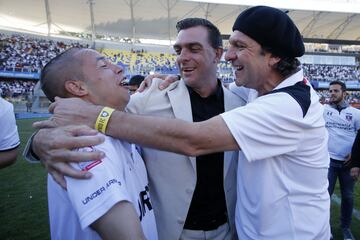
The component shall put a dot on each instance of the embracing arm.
(8, 157)
(173, 134)
(120, 222)
(163, 133)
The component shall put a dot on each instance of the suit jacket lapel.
(180, 102)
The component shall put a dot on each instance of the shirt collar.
(292, 80)
(217, 94)
(340, 106)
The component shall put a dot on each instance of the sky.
(347, 6)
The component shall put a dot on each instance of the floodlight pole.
(132, 21)
(168, 17)
(91, 7)
(207, 11)
(48, 16)
(169, 8)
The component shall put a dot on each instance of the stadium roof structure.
(156, 19)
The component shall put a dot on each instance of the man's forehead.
(335, 86)
(197, 34)
(238, 36)
(100, 58)
(89, 56)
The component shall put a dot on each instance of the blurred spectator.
(29, 103)
(134, 83)
(16, 88)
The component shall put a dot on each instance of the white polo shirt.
(283, 162)
(342, 127)
(120, 176)
(9, 137)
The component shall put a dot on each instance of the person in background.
(9, 136)
(134, 83)
(355, 158)
(342, 123)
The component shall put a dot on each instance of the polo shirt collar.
(292, 80)
(217, 94)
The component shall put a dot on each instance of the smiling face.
(251, 64)
(103, 80)
(196, 58)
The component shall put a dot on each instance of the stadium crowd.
(22, 53)
(328, 73)
(27, 54)
(16, 88)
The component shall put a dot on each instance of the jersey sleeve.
(267, 127)
(93, 197)
(9, 136)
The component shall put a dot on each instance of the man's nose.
(230, 55)
(117, 69)
(184, 55)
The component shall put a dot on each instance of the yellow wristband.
(103, 119)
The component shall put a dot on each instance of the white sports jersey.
(342, 127)
(9, 137)
(283, 164)
(120, 176)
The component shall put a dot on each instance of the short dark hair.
(342, 84)
(214, 34)
(286, 66)
(61, 68)
(136, 80)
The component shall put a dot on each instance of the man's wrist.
(103, 119)
(94, 112)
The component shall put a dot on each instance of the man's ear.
(76, 88)
(218, 54)
(273, 60)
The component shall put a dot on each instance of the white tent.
(155, 19)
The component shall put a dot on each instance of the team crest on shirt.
(86, 166)
(348, 117)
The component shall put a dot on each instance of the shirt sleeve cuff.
(28, 153)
